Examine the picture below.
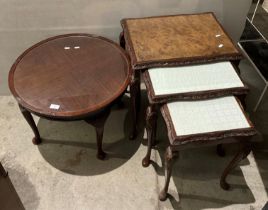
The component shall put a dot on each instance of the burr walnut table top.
(177, 40)
(70, 75)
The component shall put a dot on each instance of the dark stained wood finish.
(85, 78)
(3, 172)
(9, 199)
(29, 118)
(135, 91)
(122, 40)
(243, 152)
(177, 143)
(220, 150)
(156, 101)
(83, 74)
(151, 126)
(98, 122)
(182, 141)
(158, 41)
(135, 95)
(169, 161)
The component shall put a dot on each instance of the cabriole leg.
(169, 161)
(28, 117)
(134, 105)
(122, 40)
(241, 154)
(99, 122)
(242, 99)
(220, 150)
(151, 124)
(99, 133)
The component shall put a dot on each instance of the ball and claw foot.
(36, 141)
(225, 185)
(146, 162)
(162, 196)
(101, 155)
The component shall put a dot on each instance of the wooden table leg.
(241, 154)
(151, 126)
(135, 102)
(2, 171)
(242, 99)
(28, 117)
(135, 93)
(99, 122)
(122, 40)
(138, 94)
(99, 133)
(236, 65)
(169, 161)
(220, 150)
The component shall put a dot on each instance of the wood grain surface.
(177, 39)
(79, 73)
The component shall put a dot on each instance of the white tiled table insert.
(185, 79)
(193, 117)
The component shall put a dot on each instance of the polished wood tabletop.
(177, 40)
(70, 75)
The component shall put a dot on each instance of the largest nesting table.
(70, 77)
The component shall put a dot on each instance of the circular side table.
(70, 77)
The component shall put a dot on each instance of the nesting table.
(205, 123)
(68, 77)
(190, 69)
(193, 82)
(174, 40)
(188, 83)
(199, 109)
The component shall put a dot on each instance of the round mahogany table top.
(70, 75)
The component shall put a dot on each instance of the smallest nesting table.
(203, 123)
(70, 77)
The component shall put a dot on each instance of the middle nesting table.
(204, 112)
(190, 83)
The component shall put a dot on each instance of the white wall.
(25, 22)
(104, 16)
(234, 13)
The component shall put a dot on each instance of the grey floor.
(63, 172)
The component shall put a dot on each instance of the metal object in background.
(260, 45)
